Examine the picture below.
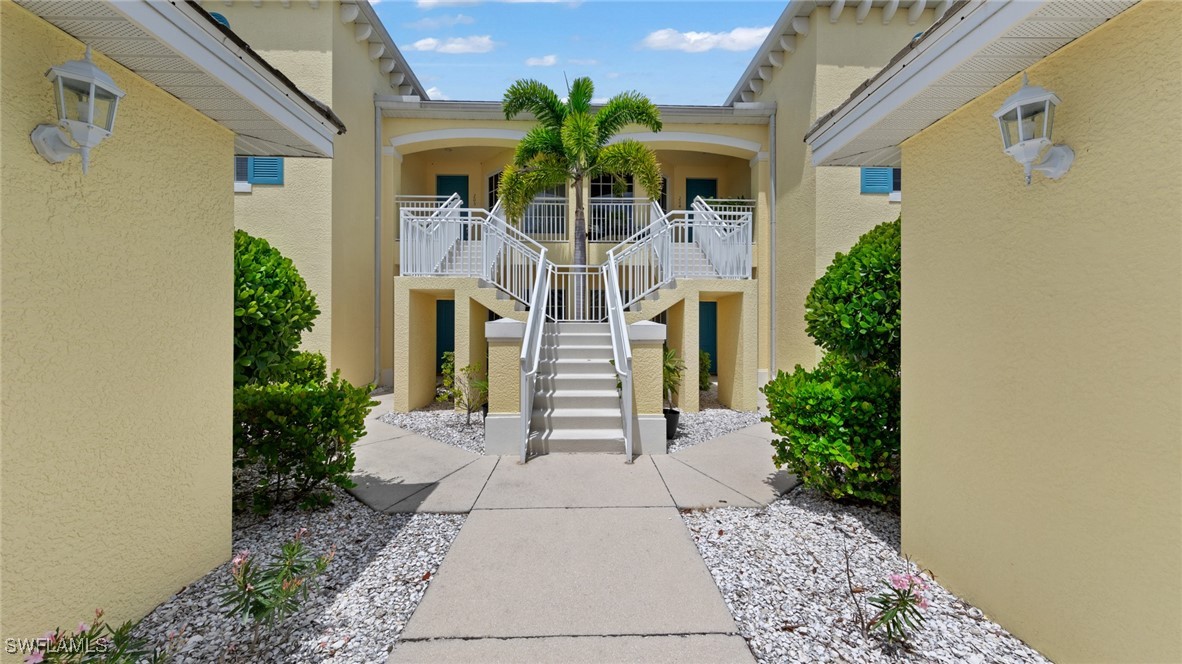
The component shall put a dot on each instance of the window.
(258, 170)
(664, 193)
(881, 180)
(603, 186)
(494, 183)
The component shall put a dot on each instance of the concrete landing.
(713, 648)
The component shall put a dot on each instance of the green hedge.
(853, 309)
(298, 438)
(838, 428)
(272, 309)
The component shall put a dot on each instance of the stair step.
(575, 419)
(558, 368)
(601, 353)
(610, 441)
(578, 381)
(582, 339)
(566, 328)
(579, 399)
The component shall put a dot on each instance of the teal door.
(708, 332)
(445, 331)
(446, 185)
(705, 187)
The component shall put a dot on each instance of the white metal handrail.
(531, 347)
(724, 237)
(621, 348)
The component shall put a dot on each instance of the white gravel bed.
(440, 422)
(781, 570)
(382, 567)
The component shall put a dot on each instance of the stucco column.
(414, 354)
(502, 427)
(648, 425)
(687, 396)
(391, 182)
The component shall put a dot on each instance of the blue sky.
(674, 52)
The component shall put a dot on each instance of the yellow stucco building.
(1042, 322)
(116, 328)
(744, 154)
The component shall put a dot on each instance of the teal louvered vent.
(267, 170)
(877, 180)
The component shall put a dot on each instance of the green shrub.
(837, 428)
(298, 437)
(272, 309)
(305, 368)
(703, 370)
(853, 309)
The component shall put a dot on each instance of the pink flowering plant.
(269, 593)
(95, 641)
(899, 606)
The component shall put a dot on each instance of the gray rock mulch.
(440, 422)
(382, 567)
(712, 420)
(782, 572)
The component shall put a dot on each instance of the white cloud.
(431, 4)
(441, 22)
(473, 44)
(739, 39)
(612, 74)
(436, 94)
(583, 62)
(544, 61)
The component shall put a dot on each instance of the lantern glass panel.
(1009, 127)
(1032, 116)
(104, 108)
(1050, 121)
(75, 99)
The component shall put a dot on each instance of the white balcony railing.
(545, 219)
(613, 219)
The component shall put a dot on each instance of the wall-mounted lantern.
(87, 99)
(1026, 120)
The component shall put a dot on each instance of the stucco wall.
(1042, 354)
(116, 348)
(295, 217)
(821, 211)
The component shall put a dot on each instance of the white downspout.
(772, 253)
(377, 244)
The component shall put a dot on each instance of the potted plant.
(670, 383)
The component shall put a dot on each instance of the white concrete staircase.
(577, 405)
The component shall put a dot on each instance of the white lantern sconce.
(1027, 120)
(87, 99)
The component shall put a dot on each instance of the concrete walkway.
(569, 558)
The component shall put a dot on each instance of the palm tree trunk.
(580, 281)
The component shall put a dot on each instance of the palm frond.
(541, 140)
(581, 93)
(624, 109)
(631, 157)
(520, 184)
(580, 140)
(537, 98)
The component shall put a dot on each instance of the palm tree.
(570, 144)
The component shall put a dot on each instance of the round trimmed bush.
(853, 309)
(272, 309)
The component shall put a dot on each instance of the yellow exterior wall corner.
(116, 285)
(1042, 354)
